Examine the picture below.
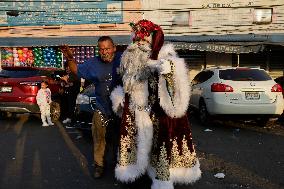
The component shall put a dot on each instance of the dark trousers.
(68, 102)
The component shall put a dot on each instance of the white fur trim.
(178, 106)
(144, 137)
(179, 175)
(117, 98)
(185, 175)
(144, 125)
(127, 173)
(165, 66)
(159, 184)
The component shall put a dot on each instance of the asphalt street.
(32, 156)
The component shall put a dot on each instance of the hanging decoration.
(43, 57)
(80, 54)
(7, 57)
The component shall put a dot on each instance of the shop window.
(181, 19)
(262, 16)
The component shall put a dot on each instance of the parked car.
(85, 106)
(280, 81)
(240, 92)
(19, 87)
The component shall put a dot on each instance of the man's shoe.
(98, 172)
(67, 120)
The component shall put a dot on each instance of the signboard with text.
(40, 13)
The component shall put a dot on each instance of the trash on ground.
(78, 137)
(220, 175)
(207, 130)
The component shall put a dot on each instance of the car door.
(195, 90)
(198, 86)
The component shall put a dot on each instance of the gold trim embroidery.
(187, 159)
(162, 169)
(128, 151)
(170, 80)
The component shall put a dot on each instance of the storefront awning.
(56, 41)
(236, 47)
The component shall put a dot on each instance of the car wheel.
(204, 116)
(55, 111)
(3, 115)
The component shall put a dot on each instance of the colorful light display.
(43, 57)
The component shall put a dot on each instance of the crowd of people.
(146, 90)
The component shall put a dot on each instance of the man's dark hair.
(105, 38)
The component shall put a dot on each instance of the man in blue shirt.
(102, 71)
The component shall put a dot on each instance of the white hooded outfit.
(43, 98)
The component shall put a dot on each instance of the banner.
(40, 13)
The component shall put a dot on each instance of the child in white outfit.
(43, 98)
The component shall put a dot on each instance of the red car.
(19, 87)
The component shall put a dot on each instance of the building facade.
(205, 32)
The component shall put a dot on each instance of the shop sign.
(221, 48)
(40, 13)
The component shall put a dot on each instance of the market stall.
(42, 57)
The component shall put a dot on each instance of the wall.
(59, 19)
(219, 17)
(202, 17)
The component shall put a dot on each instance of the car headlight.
(82, 99)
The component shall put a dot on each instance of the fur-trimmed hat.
(145, 28)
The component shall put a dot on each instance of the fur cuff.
(185, 175)
(117, 98)
(159, 184)
(153, 64)
(128, 173)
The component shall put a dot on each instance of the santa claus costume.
(155, 134)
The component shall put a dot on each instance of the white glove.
(164, 67)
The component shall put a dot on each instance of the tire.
(3, 115)
(204, 116)
(55, 111)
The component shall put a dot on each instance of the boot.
(49, 121)
(44, 124)
(98, 171)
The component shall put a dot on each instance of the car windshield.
(245, 74)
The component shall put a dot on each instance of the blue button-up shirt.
(105, 77)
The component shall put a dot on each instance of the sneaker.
(98, 172)
(67, 120)
(45, 125)
(51, 123)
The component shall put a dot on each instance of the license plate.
(5, 89)
(252, 95)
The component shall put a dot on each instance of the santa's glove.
(164, 67)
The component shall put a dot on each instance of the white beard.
(134, 67)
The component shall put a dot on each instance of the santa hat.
(145, 28)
